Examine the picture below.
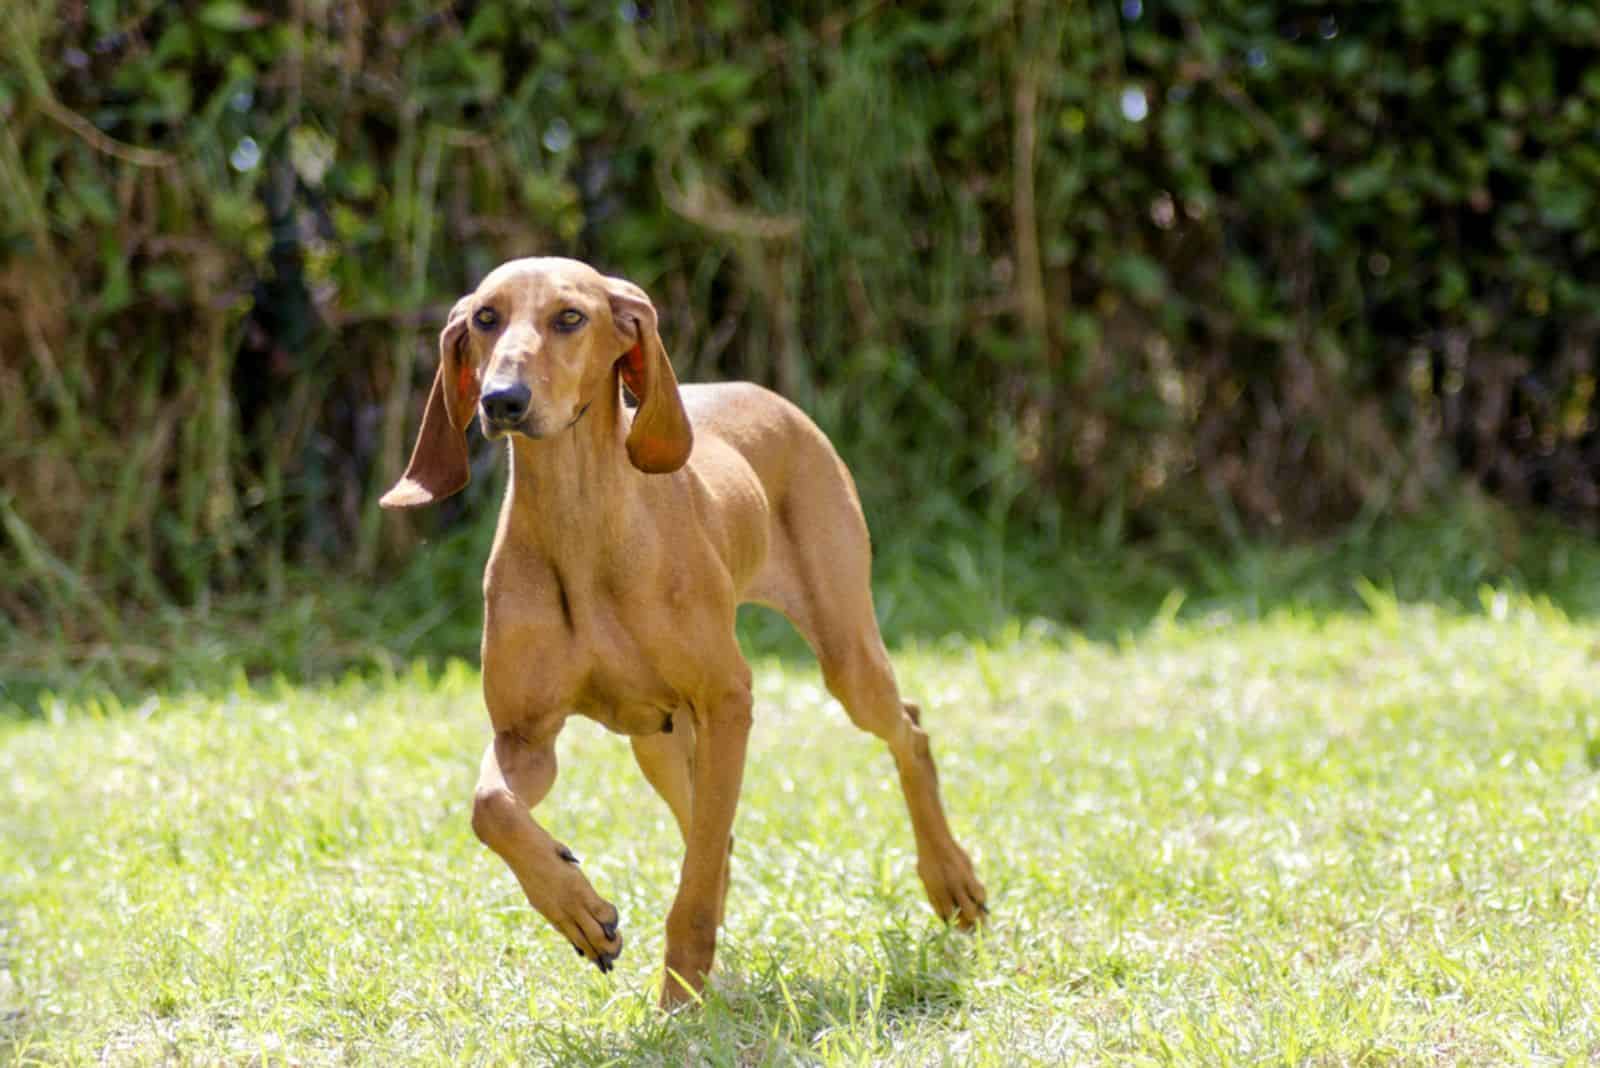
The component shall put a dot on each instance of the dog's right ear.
(439, 463)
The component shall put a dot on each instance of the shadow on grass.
(950, 574)
(778, 1014)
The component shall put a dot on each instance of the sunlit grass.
(1364, 838)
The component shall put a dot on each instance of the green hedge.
(1226, 265)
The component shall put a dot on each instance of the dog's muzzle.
(504, 409)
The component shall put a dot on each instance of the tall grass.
(940, 571)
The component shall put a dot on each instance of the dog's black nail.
(578, 948)
(666, 726)
(566, 854)
(610, 931)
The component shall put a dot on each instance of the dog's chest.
(555, 645)
(624, 689)
(628, 686)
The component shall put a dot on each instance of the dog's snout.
(508, 405)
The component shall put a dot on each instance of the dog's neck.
(569, 493)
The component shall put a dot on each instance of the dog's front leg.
(721, 734)
(515, 776)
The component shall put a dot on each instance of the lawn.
(1355, 837)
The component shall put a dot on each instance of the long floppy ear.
(660, 439)
(439, 463)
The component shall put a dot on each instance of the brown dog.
(626, 542)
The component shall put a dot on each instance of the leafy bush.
(1232, 266)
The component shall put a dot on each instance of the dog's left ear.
(660, 439)
(439, 463)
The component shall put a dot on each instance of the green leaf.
(1140, 276)
(229, 15)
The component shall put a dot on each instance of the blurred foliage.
(1170, 267)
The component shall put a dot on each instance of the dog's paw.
(599, 939)
(589, 922)
(953, 888)
(604, 958)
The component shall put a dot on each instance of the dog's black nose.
(507, 407)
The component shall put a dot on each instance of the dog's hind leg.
(821, 581)
(857, 672)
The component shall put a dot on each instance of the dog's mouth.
(496, 431)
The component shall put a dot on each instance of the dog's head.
(529, 352)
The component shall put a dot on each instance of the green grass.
(1356, 837)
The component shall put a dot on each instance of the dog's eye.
(485, 318)
(569, 320)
